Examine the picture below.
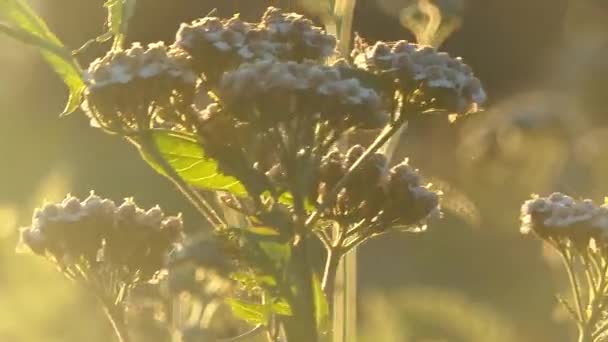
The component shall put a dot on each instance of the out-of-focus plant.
(244, 118)
(576, 229)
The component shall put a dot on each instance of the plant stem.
(329, 275)
(584, 334)
(568, 265)
(116, 316)
(301, 326)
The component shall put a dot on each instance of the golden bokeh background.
(471, 277)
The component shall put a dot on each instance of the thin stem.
(329, 274)
(591, 278)
(567, 259)
(116, 316)
(246, 335)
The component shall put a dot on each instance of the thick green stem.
(302, 326)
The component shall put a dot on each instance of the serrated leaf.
(321, 306)
(24, 19)
(183, 153)
(252, 313)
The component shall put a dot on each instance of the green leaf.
(264, 231)
(278, 252)
(255, 313)
(252, 313)
(281, 307)
(188, 159)
(286, 198)
(321, 306)
(32, 30)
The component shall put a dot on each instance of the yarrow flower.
(220, 45)
(447, 80)
(559, 216)
(96, 239)
(126, 88)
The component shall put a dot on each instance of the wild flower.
(134, 88)
(105, 247)
(220, 45)
(443, 81)
(577, 230)
(249, 120)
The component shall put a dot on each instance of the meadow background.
(471, 277)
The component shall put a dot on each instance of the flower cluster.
(276, 91)
(219, 45)
(559, 216)
(126, 88)
(447, 80)
(384, 197)
(97, 237)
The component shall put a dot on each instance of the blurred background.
(471, 277)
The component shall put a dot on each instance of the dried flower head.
(446, 82)
(382, 197)
(559, 217)
(126, 88)
(270, 92)
(220, 45)
(96, 240)
(304, 39)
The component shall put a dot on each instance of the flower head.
(97, 236)
(559, 216)
(221, 45)
(276, 91)
(125, 85)
(447, 80)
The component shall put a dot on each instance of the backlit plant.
(578, 231)
(252, 123)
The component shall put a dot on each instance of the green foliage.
(31, 29)
(188, 159)
(252, 313)
(255, 313)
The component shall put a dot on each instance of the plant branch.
(116, 317)
(567, 260)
